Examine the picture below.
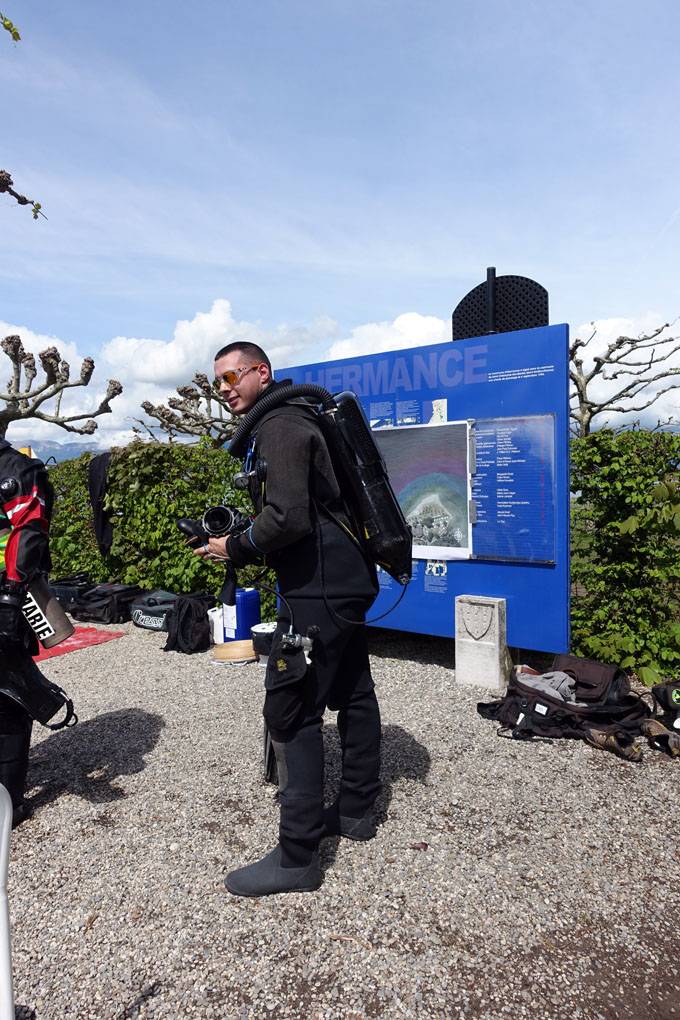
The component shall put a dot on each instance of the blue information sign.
(513, 489)
(513, 388)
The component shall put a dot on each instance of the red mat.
(82, 638)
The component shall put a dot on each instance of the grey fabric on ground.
(555, 683)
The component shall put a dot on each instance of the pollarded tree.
(25, 398)
(198, 411)
(635, 368)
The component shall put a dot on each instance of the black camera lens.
(218, 521)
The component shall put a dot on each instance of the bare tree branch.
(25, 400)
(6, 183)
(638, 363)
(145, 428)
(197, 410)
(10, 27)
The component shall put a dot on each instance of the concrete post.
(6, 994)
(482, 657)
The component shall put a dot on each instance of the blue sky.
(320, 169)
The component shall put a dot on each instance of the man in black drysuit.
(26, 499)
(301, 530)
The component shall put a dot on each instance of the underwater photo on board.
(428, 469)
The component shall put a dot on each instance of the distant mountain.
(46, 448)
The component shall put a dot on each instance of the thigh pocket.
(285, 686)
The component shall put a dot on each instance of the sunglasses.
(233, 376)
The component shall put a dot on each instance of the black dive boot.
(266, 877)
(335, 824)
(293, 865)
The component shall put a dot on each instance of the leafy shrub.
(149, 486)
(73, 545)
(626, 550)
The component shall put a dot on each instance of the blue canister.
(237, 624)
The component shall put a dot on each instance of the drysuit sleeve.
(286, 444)
(25, 502)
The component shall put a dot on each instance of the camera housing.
(223, 520)
(217, 521)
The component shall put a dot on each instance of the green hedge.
(150, 485)
(72, 542)
(625, 535)
(626, 550)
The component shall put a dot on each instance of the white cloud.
(195, 342)
(407, 330)
(151, 369)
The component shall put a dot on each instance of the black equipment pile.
(603, 711)
(67, 590)
(105, 603)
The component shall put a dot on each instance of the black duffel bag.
(106, 603)
(596, 682)
(67, 590)
(150, 611)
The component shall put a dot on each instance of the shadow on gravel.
(438, 651)
(88, 758)
(390, 644)
(403, 757)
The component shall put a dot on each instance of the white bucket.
(262, 634)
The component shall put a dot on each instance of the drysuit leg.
(359, 728)
(340, 675)
(15, 740)
(299, 759)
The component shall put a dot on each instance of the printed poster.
(429, 471)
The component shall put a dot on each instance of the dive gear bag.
(378, 520)
(188, 625)
(150, 611)
(596, 682)
(527, 711)
(67, 590)
(106, 603)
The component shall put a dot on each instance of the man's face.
(253, 377)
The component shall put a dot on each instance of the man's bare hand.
(215, 549)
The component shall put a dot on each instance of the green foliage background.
(150, 485)
(626, 550)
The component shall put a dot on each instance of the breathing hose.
(239, 442)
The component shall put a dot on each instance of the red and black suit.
(26, 499)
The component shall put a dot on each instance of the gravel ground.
(506, 880)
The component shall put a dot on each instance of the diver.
(302, 530)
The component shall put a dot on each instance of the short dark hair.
(251, 351)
